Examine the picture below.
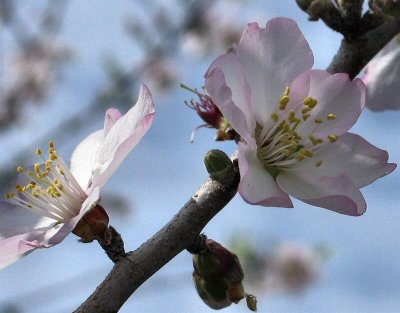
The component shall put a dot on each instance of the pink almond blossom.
(50, 199)
(293, 122)
(382, 78)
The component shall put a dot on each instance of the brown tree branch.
(355, 53)
(131, 272)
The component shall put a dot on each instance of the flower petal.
(14, 248)
(256, 185)
(45, 233)
(83, 158)
(336, 94)
(15, 220)
(231, 96)
(112, 116)
(382, 78)
(272, 58)
(122, 137)
(338, 193)
(59, 235)
(352, 156)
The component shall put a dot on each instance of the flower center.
(280, 146)
(48, 189)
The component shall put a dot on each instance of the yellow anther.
(58, 184)
(306, 116)
(20, 169)
(318, 121)
(331, 116)
(283, 102)
(51, 144)
(315, 141)
(333, 138)
(307, 153)
(310, 102)
(18, 187)
(287, 91)
(318, 163)
(38, 151)
(60, 170)
(305, 110)
(29, 205)
(9, 195)
(300, 157)
(275, 117)
(30, 186)
(53, 156)
(36, 167)
(297, 136)
(36, 192)
(33, 183)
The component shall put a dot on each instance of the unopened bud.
(93, 226)
(218, 165)
(218, 276)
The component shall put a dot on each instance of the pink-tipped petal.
(232, 99)
(272, 58)
(14, 248)
(15, 220)
(256, 185)
(352, 156)
(336, 94)
(337, 194)
(112, 116)
(122, 138)
(83, 158)
(382, 79)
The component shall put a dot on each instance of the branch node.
(115, 247)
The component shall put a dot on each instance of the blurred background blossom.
(63, 62)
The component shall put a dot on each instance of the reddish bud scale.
(93, 226)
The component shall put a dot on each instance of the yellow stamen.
(38, 151)
(310, 102)
(274, 117)
(333, 138)
(287, 91)
(318, 163)
(331, 117)
(318, 121)
(20, 169)
(307, 153)
(51, 144)
(37, 168)
(283, 102)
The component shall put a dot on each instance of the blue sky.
(164, 170)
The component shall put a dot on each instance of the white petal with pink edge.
(256, 185)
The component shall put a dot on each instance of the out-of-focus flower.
(214, 32)
(218, 277)
(211, 115)
(292, 268)
(52, 200)
(382, 78)
(161, 72)
(33, 72)
(293, 122)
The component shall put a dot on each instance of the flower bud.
(93, 225)
(211, 115)
(218, 276)
(218, 165)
